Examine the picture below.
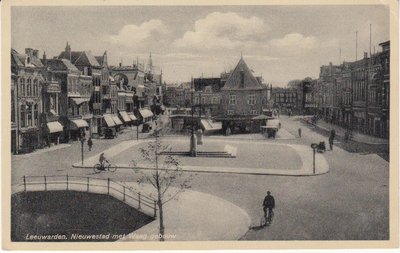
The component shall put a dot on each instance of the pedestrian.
(268, 206)
(299, 132)
(90, 143)
(331, 138)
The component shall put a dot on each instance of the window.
(29, 87)
(252, 100)
(36, 114)
(215, 100)
(203, 100)
(196, 100)
(254, 112)
(241, 78)
(232, 99)
(230, 112)
(35, 88)
(23, 115)
(29, 119)
(23, 87)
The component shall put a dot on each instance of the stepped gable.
(234, 80)
(84, 58)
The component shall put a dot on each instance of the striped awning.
(146, 113)
(117, 120)
(132, 117)
(54, 127)
(78, 123)
(125, 116)
(109, 121)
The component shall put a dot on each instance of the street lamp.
(314, 146)
(193, 140)
(82, 142)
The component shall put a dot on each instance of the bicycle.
(267, 218)
(108, 166)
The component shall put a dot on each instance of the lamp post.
(200, 105)
(314, 146)
(193, 140)
(82, 142)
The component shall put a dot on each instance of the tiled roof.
(84, 58)
(19, 59)
(234, 80)
(61, 64)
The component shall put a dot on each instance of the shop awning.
(79, 101)
(54, 127)
(146, 113)
(109, 121)
(125, 116)
(117, 120)
(78, 123)
(132, 117)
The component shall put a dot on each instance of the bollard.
(155, 209)
(124, 192)
(67, 182)
(87, 184)
(24, 184)
(45, 183)
(139, 200)
(108, 186)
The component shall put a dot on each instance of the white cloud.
(223, 30)
(294, 44)
(133, 35)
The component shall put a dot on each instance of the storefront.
(125, 118)
(77, 128)
(54, 130)
(145, 115)
(117, 122)
(108, 128)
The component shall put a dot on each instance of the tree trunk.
(160, 208)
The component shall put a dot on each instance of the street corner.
(194, 215)
(311, 166)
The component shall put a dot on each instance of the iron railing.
(138, 200)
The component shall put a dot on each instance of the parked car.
(272, 127)
(146, 127)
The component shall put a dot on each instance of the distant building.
(243, 97)
(27, 82)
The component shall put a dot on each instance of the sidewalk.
(42, 151)
(194, 216)
(340, 131)
(303, 151)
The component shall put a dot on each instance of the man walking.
(299, 132)
(90, 143)
(331, 139)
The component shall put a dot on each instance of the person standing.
(90, 143)
(299, 132)
(331, 139)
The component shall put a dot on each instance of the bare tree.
(166, 175)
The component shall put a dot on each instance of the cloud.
(223, 30)
(294, 44)
(134, 35)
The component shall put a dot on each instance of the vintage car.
(271, 128)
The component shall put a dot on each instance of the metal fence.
(138, 200)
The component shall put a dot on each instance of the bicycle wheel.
(112, 168)
(270, 217)
(263, 222)
(97, 168)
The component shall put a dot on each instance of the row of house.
(356, 95)
(234, 98)
(74, 95)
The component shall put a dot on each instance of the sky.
(281, 43)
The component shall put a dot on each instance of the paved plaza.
(350, 202)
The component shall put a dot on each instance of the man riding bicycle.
(268, 205)
(102, 161)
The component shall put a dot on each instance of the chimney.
(29, 51)
(365, 55)
(35, 53)
(44, 58)
(120, 64)
(68, 52)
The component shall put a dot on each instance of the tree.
(165, 175)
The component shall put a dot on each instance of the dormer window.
(242, 78)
